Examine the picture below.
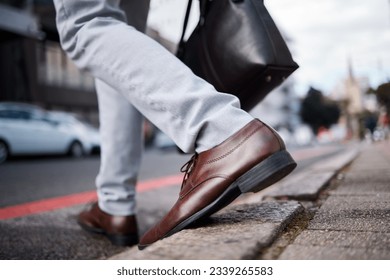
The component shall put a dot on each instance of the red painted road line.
(79, 198)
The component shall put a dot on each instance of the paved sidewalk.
(331, 210)
(354, 221)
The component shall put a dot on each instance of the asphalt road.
(30, 179)
(55, 234)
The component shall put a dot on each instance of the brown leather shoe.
(252, 159)
(120, 230)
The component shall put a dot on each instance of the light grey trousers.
(136, 77)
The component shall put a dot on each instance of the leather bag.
(237, 47)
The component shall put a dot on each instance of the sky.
(325, 35)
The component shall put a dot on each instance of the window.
(15, 115)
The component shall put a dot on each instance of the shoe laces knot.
(187, 168)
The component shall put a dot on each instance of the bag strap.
(180, 48)
(203, 10)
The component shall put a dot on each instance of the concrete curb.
(239, 232)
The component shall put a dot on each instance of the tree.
(318, 111)
(383, 95)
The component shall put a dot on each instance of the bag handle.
(180, 48)
(203, 7)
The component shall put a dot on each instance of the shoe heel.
(266, 173)
(123, 240)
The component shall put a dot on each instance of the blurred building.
(351, 94)
(34, 69)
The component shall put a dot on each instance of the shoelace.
(187, 168)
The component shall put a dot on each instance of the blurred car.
(29, 130)
(163, 142)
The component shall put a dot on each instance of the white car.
(29, 130)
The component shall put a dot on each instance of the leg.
(122, 144)
(121, 132)
(121, 149)
(185, 107)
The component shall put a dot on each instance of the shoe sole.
(269, 171)
(115, 239)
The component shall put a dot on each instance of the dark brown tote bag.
(237, 47)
